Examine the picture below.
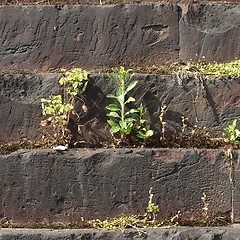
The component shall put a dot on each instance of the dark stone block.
(65, 186)
(208, 103)
(211, 31)
(179, 233)
(236, 188)
(46, 37)
(20, 97)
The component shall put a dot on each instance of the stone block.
(65, 186)
(211, 31)
(208, 103)
(87, 36)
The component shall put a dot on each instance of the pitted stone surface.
(43, 185)
(87, 36)
(210, 31)
(180, 233)
(208, 103)
(20, 99)
(99, 36)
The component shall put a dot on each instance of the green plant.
(232, 134)
(163, 124)
(142, 125)
(205, 208)
(195, 68)
(134, 221)
(152, 208)
(58, 109)
(121, 120)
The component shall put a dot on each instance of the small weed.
(152, 208)
(58, 109)
(162, 113)
(231, 134)
(205, 208)
(138, 222)
(196, 68)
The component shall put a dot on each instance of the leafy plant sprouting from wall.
(123, 120)
(59, 108)
(231, 133)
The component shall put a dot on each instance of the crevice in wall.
(231, 157)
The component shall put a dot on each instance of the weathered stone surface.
(212, 31)
(65, 186)
(180, 233)
(99, 36)
(20, 97)
(208, 103)
(87, 36)
(236, 188)
(26, 2)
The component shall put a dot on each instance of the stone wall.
(207, 103)
(48, 185)
(179, 233)
(94, 37)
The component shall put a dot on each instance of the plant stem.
(122, 105)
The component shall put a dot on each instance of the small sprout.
(162, 113)
(152, 208)
(205, 208)
(231, 133)
(184, 125)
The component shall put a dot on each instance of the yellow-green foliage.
(134, 221)
(58, 108)
(218, 69)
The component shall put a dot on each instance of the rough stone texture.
(180, 233)
(20, 96)
(236, 187)
(212, 31)
(208, 103)
(65, 186)
(20, 2)
(95, 36)
(87, 36)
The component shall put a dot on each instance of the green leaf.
(114, 126)
(142, 121)
(113, 107)
(149, 133)
(110, 75)
(131, 111)
(63, 81)
(131, 86)
(113, 114)
(126, 130)
(145, 135)
(122, 124)
(119, 92)
(111, 96)
(130, 99)
(130, 120)
(84, 86)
